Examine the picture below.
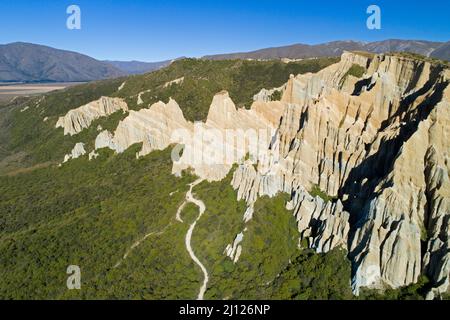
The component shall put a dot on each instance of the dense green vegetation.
(276, 96)
(313, 276)
(89, 214)
(416, 291)
(271, 265)
(270, 240)
(356, 70)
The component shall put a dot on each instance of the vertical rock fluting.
(81, 118)
(210, 148)
(398, 192)
(380, 144)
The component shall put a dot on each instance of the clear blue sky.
(153, 30)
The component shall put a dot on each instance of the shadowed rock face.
(376, 145)
(380, 144)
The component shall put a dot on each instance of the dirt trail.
(137, 243)
(202, 208)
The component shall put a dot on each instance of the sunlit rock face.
(81, 118)
(209, 148)
(379, 144)
(77, 151)
(364, 158)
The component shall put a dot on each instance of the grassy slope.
(203, 79)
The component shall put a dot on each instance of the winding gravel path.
(201, 206)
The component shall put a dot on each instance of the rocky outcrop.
(228, 136)
(209, 148)
(105, 140)
(153, 127)
(122, 86)
(267, 95)
(81, 118)
(380, 145)
(176, 81)
(139, 98)
(76, 152)
(323, 224)
(364, 159)
(233, 251)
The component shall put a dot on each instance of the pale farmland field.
(9, 91)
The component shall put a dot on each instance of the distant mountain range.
(298, 51)
(26, 62)
(35, 63)
(443, 52)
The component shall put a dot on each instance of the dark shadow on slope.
(377, 166)
(405, 104)
(363, 179)
(364, 83)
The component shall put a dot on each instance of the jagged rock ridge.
(380, 144)
(376, 144)
(81, 118)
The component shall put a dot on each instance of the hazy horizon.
(162, 30)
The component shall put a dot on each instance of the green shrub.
(317, 192)
(312, 276)
(276, 96)
(416, 291)
(89, 213)
(356, 70)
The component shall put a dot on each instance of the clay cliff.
(81, 118)
(364, 156)
(379, 145)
